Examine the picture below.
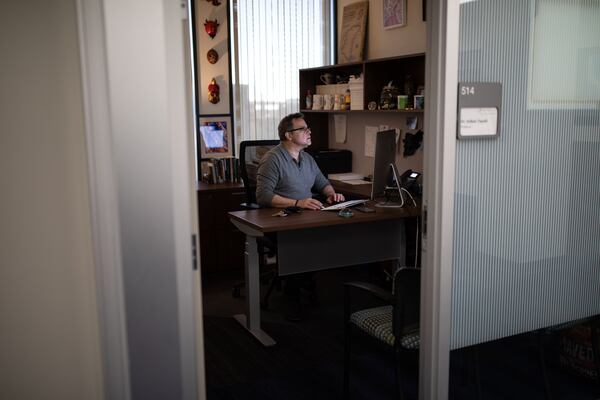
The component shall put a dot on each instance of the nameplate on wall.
(479, 107)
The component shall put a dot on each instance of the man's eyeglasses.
(303, 129)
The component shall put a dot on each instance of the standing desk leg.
(251, 320)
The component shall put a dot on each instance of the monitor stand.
(388, 203)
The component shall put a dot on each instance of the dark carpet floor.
(307, 362)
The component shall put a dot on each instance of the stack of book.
(220, 170)
(357, 93)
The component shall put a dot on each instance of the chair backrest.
(251, 152)
(407, 300)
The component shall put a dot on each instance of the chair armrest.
(249, 206)
(364, 286)
(375, 290)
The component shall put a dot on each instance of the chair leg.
(398, 360)
(347, 349)
(265, 301)
(347, 345)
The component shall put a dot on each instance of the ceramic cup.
(402, 102)
(419, 102)
(327, 101)
(317, 101)
(328, 79)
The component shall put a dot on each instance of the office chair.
(395, 324)
(251, 152)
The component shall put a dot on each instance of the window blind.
(272, 40)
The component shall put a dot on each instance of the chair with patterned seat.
(398, 317)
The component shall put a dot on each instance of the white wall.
(380, 42)
(49, 338)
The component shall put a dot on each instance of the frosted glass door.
(526, 250)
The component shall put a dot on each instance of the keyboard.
(344, 204)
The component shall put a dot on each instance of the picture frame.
(215, 137)
(394, 14)
(354, 31)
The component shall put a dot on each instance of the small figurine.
(308, 100)
(389, 97)
(211, 27)
(336, 101)
(212, 56)
(213, 92)
(347, 99)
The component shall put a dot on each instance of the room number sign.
(479, 106)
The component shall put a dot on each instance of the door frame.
(438, 197)
(99, 50)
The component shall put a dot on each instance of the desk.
(221, 245)
(317, 240)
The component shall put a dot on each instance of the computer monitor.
(384, 168)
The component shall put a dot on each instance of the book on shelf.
(220, 170)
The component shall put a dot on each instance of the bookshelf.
(376, 74)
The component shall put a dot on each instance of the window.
(272, 40)
(564, 59)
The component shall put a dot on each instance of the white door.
(136, 73)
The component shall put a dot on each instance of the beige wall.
(355, 142)
(49, 338)
(381, 43)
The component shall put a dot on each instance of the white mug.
(317, 101)
(327, 101)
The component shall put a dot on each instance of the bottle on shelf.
(347, 99)
(308, 100)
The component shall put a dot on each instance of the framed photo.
(394, 13)
(215, 137)
(354, 28)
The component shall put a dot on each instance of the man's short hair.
(287, 123)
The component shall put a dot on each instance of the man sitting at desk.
(285, 177)
(287, 174)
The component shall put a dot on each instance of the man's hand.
(335, 198)
(310, 204)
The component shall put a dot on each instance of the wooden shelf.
(406, 111)
(376, 74)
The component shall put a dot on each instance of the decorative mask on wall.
(213, 92)
(211, 27)
(215, 2)
(212, 56)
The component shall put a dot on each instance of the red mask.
(211, 27)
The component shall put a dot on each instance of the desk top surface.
(264, 221)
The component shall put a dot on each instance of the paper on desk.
(370, 138)
(340, 128)
(357, 182)
(347, 176)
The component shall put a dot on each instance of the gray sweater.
(279, 174)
